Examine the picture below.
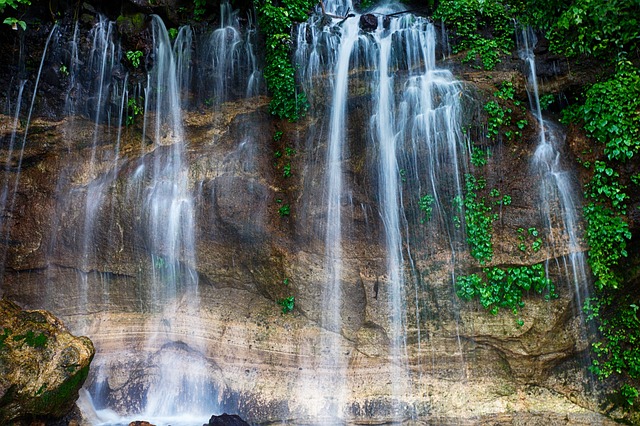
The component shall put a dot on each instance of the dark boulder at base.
(226, 420)
(42, 366)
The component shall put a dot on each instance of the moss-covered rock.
(42, 366)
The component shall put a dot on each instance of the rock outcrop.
(42, 366)
(79, 243)
(226, 420)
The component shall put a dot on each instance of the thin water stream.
(559, 197)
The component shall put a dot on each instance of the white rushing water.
(415, 130)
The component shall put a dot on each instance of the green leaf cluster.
(607, 234)
(619, 351)
(602, 28)
(479, 220)
(287, 303)
(133, 110)
(499, 112)
(611, 113)
(199, 8)
(425, 203)
(134, 57)
(14, 4)
(484, 28)
(478, 157)
(497, 287)
(276, 21)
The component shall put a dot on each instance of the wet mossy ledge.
(42, 366)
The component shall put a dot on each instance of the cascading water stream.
(418, 136)
(229, 53)
(390, 205)
(415, 128)
(558, 194)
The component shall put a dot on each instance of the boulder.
(226, 420)
(42, 366)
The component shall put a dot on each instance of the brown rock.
(42, 366)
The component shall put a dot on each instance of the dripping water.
(558, 195)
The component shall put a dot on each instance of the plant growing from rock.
(279, 73)
(134, 57)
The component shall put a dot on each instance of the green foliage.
(199, 8)
(471, 22)
(611, 113)
(286, 170)
(173, 33)
(287, 304)
(425, 203)
(285, 210)
(64, 70)
(478, 219)
(546, 101)
(499, 112)
(496, 118)
(499, 288)
(15, 22)
(611, 116)
(607, 234)
(602, 28)
(531, 236)
(629, 393)
(367, 4)
(605, 187)
(134, 57)
(133, 110)
(618, 352)
(279, 73)
(14, 4)
(478, 157)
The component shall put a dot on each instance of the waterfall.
(415, 115)
(168, 250)
(559, 198)
(229, 53)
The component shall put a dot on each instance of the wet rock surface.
(42, 366)
(466, 366)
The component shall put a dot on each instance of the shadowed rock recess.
(173, 235)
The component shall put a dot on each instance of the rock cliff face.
(78, 243)
(42, 366)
